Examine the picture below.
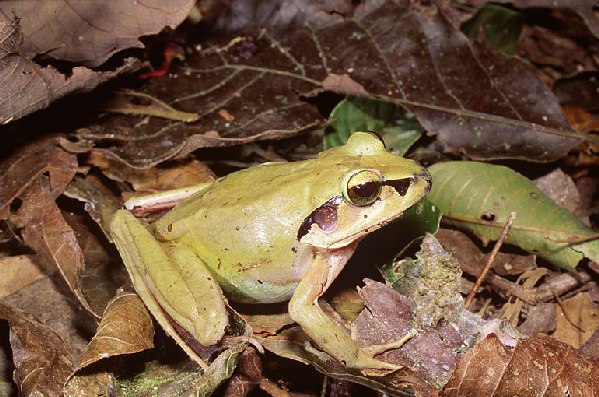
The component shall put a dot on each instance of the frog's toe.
(372, 366)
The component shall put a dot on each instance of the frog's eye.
(363, 188)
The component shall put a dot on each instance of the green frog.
(275, 232)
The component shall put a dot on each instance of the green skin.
(246, 235)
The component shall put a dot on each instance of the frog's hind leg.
(173, 282)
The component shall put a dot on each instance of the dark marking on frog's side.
(324, 216)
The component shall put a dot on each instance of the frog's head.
(371, 188)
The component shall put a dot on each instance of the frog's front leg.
(330, 337)
(173, 282)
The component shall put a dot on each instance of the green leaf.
(398, 128)
(501, 27)
(479, 197)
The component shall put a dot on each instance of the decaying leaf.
(42, 360)
(477, 100)
(582, 8)
(479, 197)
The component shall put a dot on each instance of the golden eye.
(363, 188)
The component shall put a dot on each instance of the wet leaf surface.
(479, 197)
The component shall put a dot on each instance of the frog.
(275, 232)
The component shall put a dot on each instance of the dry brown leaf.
(176, 174)
(478, 101)
(27, 86)
(24, 166)
(539, 366)
(17, 272)
(45, 230)
(42, 359)
(580, 320)
(126, 328)
(88, 33)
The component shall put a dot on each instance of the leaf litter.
(416, 57)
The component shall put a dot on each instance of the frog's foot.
(363, 359)
(370, 365)
(374, 350)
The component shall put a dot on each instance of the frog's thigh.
(330, 336)
(202, 301)
(171, 278)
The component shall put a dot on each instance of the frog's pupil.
(365, 189)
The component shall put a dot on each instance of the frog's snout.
(425, 176)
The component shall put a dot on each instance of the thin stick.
(489, 263)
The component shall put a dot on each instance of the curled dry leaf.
(577, 319)
(46, 231)
(27, 86)
(126, 328)
(100, 202)
(88, 33)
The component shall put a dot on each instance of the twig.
(489, 263)
(564, 311)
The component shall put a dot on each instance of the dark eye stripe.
(401, 186)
